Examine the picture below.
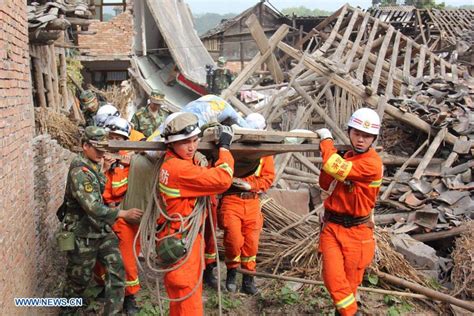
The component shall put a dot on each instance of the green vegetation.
(396, 306)
(304, 11)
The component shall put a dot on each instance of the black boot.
(248, 285)
(208, 276)
(130, 305)
(230, 284)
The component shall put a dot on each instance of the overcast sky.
(237, 6)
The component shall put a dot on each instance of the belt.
(243, 195)
(345, 220)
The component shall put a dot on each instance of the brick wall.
(17, 224)
(51, 164)
(112, 38)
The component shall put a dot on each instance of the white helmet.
(179, 126)
(118, 125)
(104, 112)
(365, 120)
(256, 121)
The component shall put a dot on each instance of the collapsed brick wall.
(111, 38)
(18, 276)
(51, 167)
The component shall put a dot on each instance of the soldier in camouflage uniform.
(89, 106)
(148, 119)
(90, 220)
(221, 78)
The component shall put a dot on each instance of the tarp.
(174, 21)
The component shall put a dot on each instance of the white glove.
(324, 133)
(241, 184)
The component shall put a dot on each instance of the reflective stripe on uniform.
(117, 184)
(227, 168)
(236, 259)
(337, 167)
(169, 191)
(132, 283)
(210, 255)
(345, 302)
(259, 169)
(249, 259)
(375, 184)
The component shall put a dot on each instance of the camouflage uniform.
(221, 80)
(144, 121)
(90, 220)
(88, 99)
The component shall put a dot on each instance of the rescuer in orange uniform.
(241, 218)
(181, 183)
(115, 188)
(346, 241)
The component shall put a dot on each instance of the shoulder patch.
(88, 187)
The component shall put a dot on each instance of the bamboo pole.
(314, 282)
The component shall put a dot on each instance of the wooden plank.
(239, 105)
(454, 71)
(368, 47)
(393, 66)
(54, 75)
(342, 44)
(262, 43)
(421, 26)
(255, 63)
(307, 163)
(39, 82)
(442, 68)
(359, 91)
(334, 31)
(429, 154)
(355, 46)
(63, 78)
(432, 66)
(381, 59)
(421, 62)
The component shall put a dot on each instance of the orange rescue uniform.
(347, 251)
(181, 182)
(115, 190)
(242, 220)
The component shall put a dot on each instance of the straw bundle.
(462, 275)
(56, 124)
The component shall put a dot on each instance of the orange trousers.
(242, 221)
(182, 281)
(346, 253)
(210, 250)
(126, 234)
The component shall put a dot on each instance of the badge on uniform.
(88, 187)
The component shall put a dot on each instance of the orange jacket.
(117, 182)
(359, 178)
(263, 177)
(136, 136)
(181, 181)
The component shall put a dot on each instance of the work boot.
(248, 285)
(130, 305)
(208, 276)
(230, 284)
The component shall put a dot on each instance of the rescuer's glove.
(226, 133)
(324, 133)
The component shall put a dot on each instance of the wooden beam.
(39, 82)
(262, 43)
(430, 153)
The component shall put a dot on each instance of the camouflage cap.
(86, 97)
(221, 61)
(156, 96)
(94, 134)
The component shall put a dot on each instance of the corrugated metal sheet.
(175, 24)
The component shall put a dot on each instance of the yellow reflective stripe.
(132, 283)
(227, 168)
(117, 184)
(346, 301)
(169, 191)
(210, 255)
(375, 184)
(337, 167)
(236, 259)
(249, 259)
(259, 169)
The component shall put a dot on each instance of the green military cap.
(221, 61)
(86, 97)
(156, 96)
(95, 134)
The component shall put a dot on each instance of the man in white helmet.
(116, 171)
(182, 185)
(346, 240)
(241, 217)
